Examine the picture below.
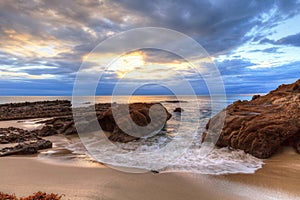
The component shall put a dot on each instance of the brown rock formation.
(26, 148)
(29, 142)
(139, 113)
(264, 124)
(38, 109)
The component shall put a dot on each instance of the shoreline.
(25, 175)
(79, 179)
(281, 172)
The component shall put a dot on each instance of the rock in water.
(264, 124)
(178, 109)
(138, 112)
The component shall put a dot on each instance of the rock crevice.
(264, 124)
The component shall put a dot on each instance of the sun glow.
(127, 63)
(136, 65)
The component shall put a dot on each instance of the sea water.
(217, 161)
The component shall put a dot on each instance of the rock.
(63, 122)
(119, 136)
(255, 96)
(139, 113)
(47, 131)
(263, 125)
(296, 145)
(43, 144)
(69, 129)
(26, 148)
(174, 101)
(179, 110)
(15, 135)
(40, 109)
(107, 121)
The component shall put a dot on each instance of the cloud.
(218, 25)
(15, 75)
(293, 40)
(46, 41)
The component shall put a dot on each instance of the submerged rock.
(264, 124)
(179, 110)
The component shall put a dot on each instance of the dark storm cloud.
(217, 25)
(234, 67)
(268, 50)
(293, 40)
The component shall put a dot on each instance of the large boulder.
(264, 124)
(139, 114)
(85, 122)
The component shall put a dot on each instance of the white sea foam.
(218, 161)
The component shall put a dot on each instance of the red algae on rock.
(36, 196)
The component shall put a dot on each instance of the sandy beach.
(278, 179)
(24, 175)
(149, 100)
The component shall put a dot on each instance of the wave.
(218, 161)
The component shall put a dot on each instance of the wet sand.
(27, 124)
(281, 172)
(278, 179)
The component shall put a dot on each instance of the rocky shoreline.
(40, 109)
(260, 127)
(263, 125)
(62, 122)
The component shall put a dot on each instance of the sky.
(255, 45)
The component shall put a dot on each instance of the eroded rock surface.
(24, 141)
(62, 121)
(264, 124)
(26, 148)
(139, 114)
(40, 109)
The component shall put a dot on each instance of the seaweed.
(36, 196)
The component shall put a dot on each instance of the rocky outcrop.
(264, 124)
(29, 142)
(40, 109)
(16, 135)
(26, 148)
(139, 114)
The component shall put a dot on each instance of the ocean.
(217, 161)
